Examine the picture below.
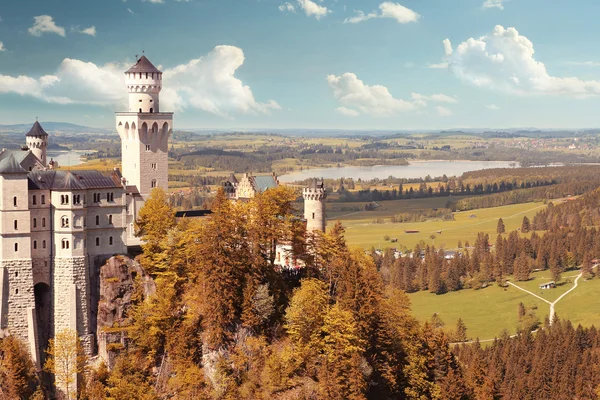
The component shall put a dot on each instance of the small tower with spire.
(314, 206)
(37, 141)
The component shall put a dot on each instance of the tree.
(340, 371)
(461, 331)
(500, 228)
(525, 225)
(586, 267)
(18, 379)
(65, 361)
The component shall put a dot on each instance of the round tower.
(314, 206)
(37, 142)
(144, 83)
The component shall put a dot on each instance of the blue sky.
(344, 64)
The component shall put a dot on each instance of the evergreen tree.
(500, 228)
(461, 331)
(525, 225)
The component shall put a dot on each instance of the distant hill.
(54, 127)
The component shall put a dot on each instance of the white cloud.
(153, 1)
(347, 112)
(443, 111)
(493, 4)
(45, 24)
(313, 9)
(442, 65)
(130, 11)
(89, 31)
(289, 7)
(504, 60)
(440, 98)
(375, 100)
(387, 9)
(584, 63)
(447, 47)
(2, 48)
(492, 107)
(207, 83)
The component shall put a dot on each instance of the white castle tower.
(37, 141)
(314, 206)
(144, 130)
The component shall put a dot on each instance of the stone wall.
(17, 296)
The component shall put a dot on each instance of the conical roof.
(316, 184)
(142, 65)
(37, 130)
(10, 165)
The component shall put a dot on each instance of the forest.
(225, 324)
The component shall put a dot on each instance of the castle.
(58, 227)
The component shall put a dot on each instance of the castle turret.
(314, 206)
(37, 141)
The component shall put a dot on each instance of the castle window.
(16, 225)
(151, 110)
(65, 244)
(153, 184)
(150, 101)
(140, 110)
(110, 197)
(110, 219)
(43, 222)
(313, 215)
(97, 220)
(140, 100)
(43, 244)
(35, 244)
(16, 247)
(16, 274)
(43, 199)
(16, 291)
(97, 241)
(147, 147)
(64, 222)
(146, 75)
(15, 201)
(77, 199)
(110, 241)
(64, 199)
(35, 222)
(34, 200)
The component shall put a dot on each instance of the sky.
(307, 64)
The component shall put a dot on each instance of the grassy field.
(486, 312)
(361, 231)
(581, 305)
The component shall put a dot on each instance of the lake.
(416, 169)
(66, 158)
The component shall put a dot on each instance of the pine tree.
(586, 267)
(461, 331)
(500, 228)
(525, 225)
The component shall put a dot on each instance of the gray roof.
(316, 184)
(232, 179)
(143, 65)
(19, 155)
(262, 183)
(71, 180)
(37, 130)
(10, 165)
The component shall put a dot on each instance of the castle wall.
(17, 296)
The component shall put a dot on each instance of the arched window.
(64, 222)
(151, 110)
(110, 240)
(35, 222)
(140, 110)
(43, 222)
(35, 244)
(97, 241)
(153, 184)
(97, 220)
(43, 244)
(34, 199)
(65, 243)
(16, 247)
(110, 219)
(15, 201)
(43, 199)
(16, 225)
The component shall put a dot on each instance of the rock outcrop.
(120, 278)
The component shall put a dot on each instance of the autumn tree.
(461, 331)
(500, 228)
(586, 267)
(18, 379)
(66, 361)
(525, 225)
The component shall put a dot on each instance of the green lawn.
(486, 312)
(364, 233)
(582, 306)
